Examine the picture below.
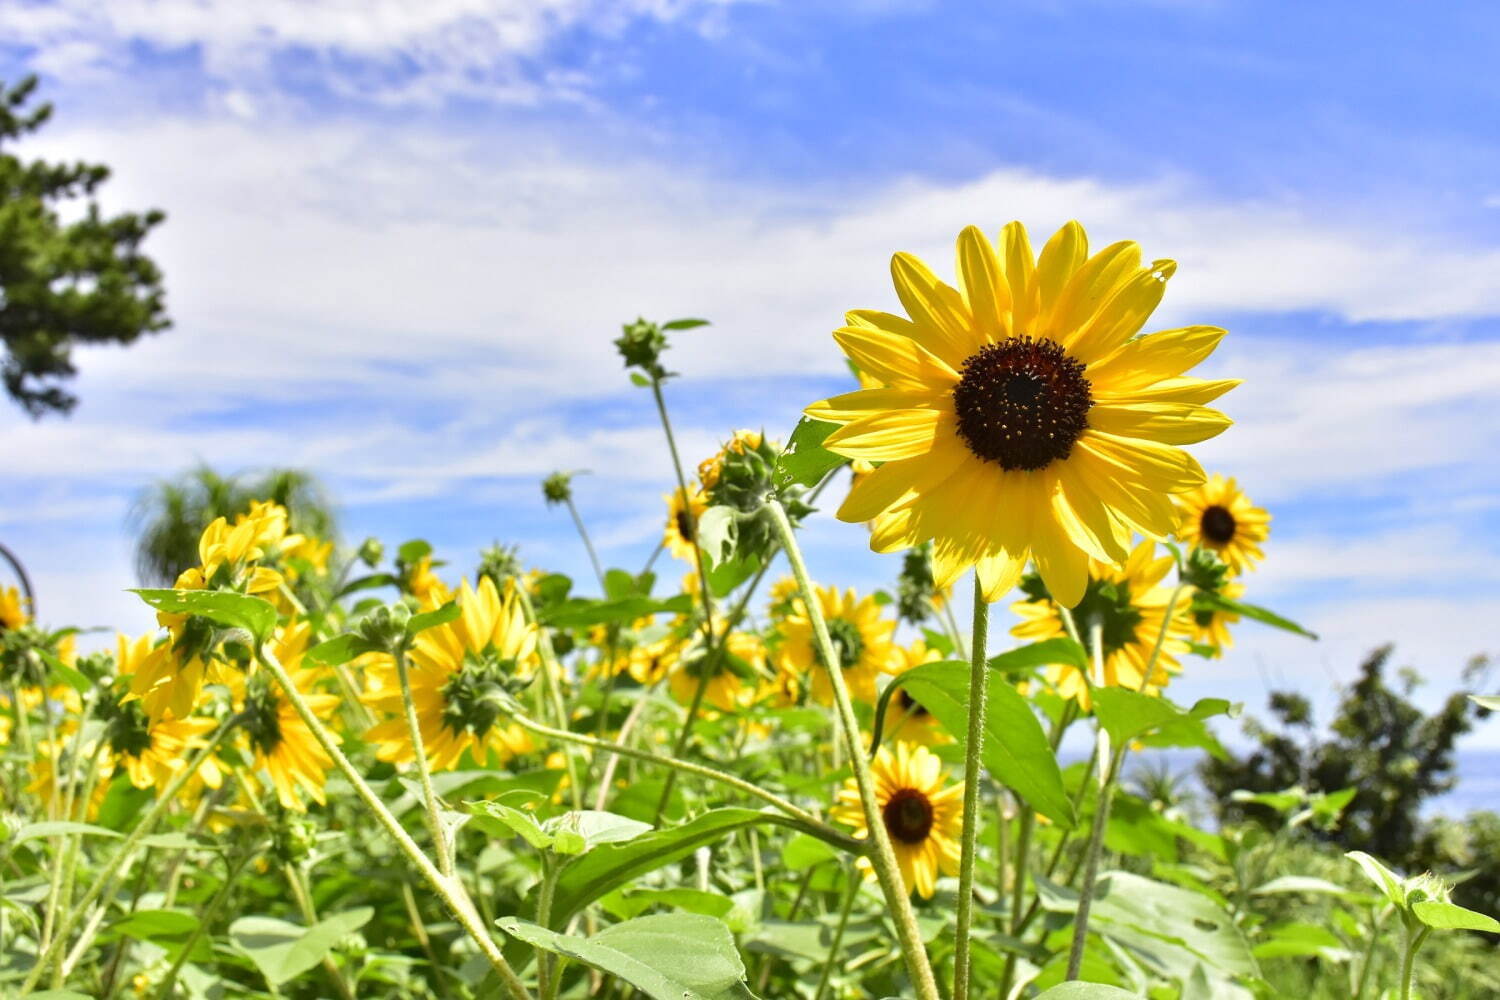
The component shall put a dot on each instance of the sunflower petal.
(982, 282)
(942, 321)
(1145, 463)
(999, 573)
(1169, 423)
(1087, 519)
(1090, 287)
(1020, 274)
(1183, 389)
(893, 360)
(852, 405)
(1064, 253)
(891, 531)
(1124, 314)
(1147, 360)
(1064, 567)
(888, 435)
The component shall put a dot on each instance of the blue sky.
(401, 236)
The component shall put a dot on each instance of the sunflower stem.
(109, 877)
(450, 890)
(587, 542)
(979, 680)
(551, 683)
(1115, 756)
(429, 797)
(838, 932)
(882, 856)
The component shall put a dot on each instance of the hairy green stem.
(424, 773)
(838, 933)
(551, 684)
(979, 680)
(231, 877)
(1409, 959)
(882, 856)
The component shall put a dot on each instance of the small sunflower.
(455, 670)
(861, 638)
(1218, 516)
(709, 468)
(731, 673)
(905, 718)
(1129, 604)
(1019, 416)
(650, 661)
(923, 816)
(152, 752)
(1211, 624)
(47, 765)
(282, 744)
(681, 532)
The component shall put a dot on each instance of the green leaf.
(335, 651)
(282, 951)
(637, 378)
(501, 820)
(667, 956)
(716, 533)
(596, 827)
(727, 575)
(411, 552)
(1087, 991)
(579, 612)
(687, 323)
(431, 619)
(1266, 617)
(1128, 715)
(1297, 940)
(68, 675)
(1016, 751)
(1061, 650)
(609, 866)
(370, 582)
(60, 995)
(1452, 917)
(803, 852)
(148, 925)
(1300, 883)
(256, 616)
(61, 827)
(1385, 880)
(805, 461)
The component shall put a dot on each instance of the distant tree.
(63, 283)
(169, 515)
(1389, 751)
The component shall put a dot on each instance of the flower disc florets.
(848, 644)
(1022, 402)
(1218, 525)
(908, 815)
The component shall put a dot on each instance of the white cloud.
(382, 50)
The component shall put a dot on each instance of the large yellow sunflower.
(1218, 516)
(923, 817)
(1129, 604)
(1018, 415)
(861, 637)
(681, 532)
(455, 668)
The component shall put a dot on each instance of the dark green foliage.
(1394, 756)
(63, 283)
(169, 516)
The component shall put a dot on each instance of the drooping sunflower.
(1129, 605)
(153, 752)
(12, 609)
(1218, 516)
(861, 638)
(1018, 415)
(709, 468)
(455, 669)
(282, 744)
(681, 532)
(905, 718)
(923, 816)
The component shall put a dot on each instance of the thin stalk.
(164, 991)
(450, 890)
(1101, 817)
(838, 933)
(551, 684)
(979, 680)
(303, 898)
(1409, 960)
(882, 856)
(546, 984)
(1376, 919)
(107, 878)
(587, 543)
(429, 797)
(953, 630)
(419, 931)
(608, 777)
(680, 747)
(123, 945)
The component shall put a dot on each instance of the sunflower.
(422, 582)
(1129, 605)
(905, 718)
(47, 766)
(709, 468)
(1018, 415)
(649, 662)
(680, 535)
(923, 817)
(152, 752)
(1218, 516)
(1211, 624)
(456, 669)
(12, 610)
(731, 672)
(861, 638)
(283, 745)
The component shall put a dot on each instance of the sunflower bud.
(916, 592)
(641, 345)
(384, 627)
(371, 551)
(500, 563)
(558, 488)
(294, 836)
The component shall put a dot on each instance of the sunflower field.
(364, 773)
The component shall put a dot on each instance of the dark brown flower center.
(908, 816)
(1022, 403)
(1218, 525)
(912, 706)
(685, 526)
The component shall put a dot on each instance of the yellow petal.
(1169, 423)
(1020, 274)
(1183, 389)
(1154, 466)
(983, 284)
(1091, 286)
(892, 531)
(894, 360)
(1064, 253)
(1064, 567)
(890, 435)
(1087, 519)
(942, 321)
(862, 402)
(999, 574)
(893, 481)
(1124, 314)
(1147, 360)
